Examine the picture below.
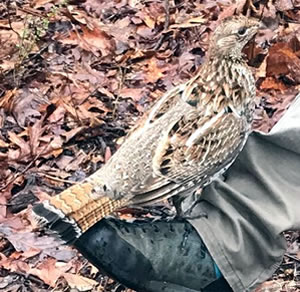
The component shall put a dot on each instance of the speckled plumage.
(192, 133)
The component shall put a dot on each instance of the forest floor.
(76, 75)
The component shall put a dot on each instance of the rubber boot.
(152, 256)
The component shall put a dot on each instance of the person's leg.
(247, 214)
(152, 256)
(257, 201)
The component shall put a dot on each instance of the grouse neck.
(229, 59)
(223, 82)
(220, 70)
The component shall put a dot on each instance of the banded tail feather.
(73, 211)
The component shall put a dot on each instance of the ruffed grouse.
(193, 133)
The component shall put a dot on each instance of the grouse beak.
(255, 25)
(262, 25)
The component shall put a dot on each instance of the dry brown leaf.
(3, 144)
(26, 107)
(237, 6)
(21, 143)
(134, 93)
(48, 271)
(3, 208)
(78, 15)
(71, 163)
(41, 3)
(149, 21)
(107, 154)
(269, 286)
(261, 71)
(7, 101)
(31, 253)
(191, 22)
(13, 222)
(68, 135)
(98, 39)
(272, 83)
(34, 133)
(24, 241)
(283, 5)
(79, 159)
(145, 32)
(55, 148)
(93, 40)
(278, 285)
(14, 265)
(6, 65)
(58, 115)
(282, 103)
(154, 71)
(88, 113)
(283, 61)
(64, 161)
(79, 282)
(10, 35)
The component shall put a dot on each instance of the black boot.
(151, 256)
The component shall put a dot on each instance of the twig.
(166, 25)
(262, 12)
(26, 168)
(292, 257)
(31, 11)
(252, 43)
(9, 19)
(58, 179)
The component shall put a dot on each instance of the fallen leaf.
(154, 71)
(92, 39)
(272, 83)
(7, 101)
(107, 154)
(79, 282)
(283, 61)
(149, 21)
(134, 93)
(191, 22)
(48, 271)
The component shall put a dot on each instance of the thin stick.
(292, 257)
(166, 25)
(26, 168)
(58, 179)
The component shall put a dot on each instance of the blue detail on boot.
(217, 271)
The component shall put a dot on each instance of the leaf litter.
(75, 77)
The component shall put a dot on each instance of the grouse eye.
(242, 30)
